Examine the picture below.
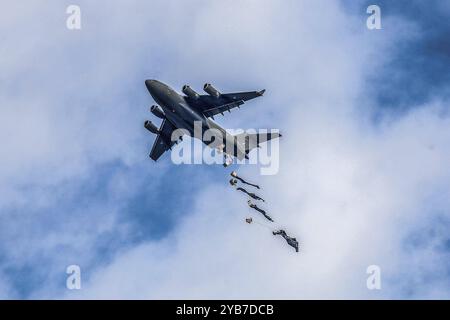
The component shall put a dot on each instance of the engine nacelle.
(209, 89)
(151, 127)
(157, 111)
(189, 92)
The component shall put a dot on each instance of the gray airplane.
(181, 111)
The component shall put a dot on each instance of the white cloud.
(352, 202)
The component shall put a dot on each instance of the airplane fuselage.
(178, 111)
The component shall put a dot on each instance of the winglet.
(260, 93)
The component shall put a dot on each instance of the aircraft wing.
(163, 140)
(244, 96)
(210, 106)
(211, 112)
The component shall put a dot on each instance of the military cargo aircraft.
(182, 111)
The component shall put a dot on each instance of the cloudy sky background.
(364, 161)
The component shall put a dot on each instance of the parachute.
(234, 175)
(233, 182)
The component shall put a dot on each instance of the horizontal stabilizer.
(253, 140)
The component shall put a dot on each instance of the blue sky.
(419, 65)
(363, 177)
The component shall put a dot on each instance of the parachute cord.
(255, 219)
(263, 225)
(273, 227)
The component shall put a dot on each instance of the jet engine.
(157, 111)
(151, 127)
(189, 92)
(209, 89)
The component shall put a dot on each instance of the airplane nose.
(154, 88)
